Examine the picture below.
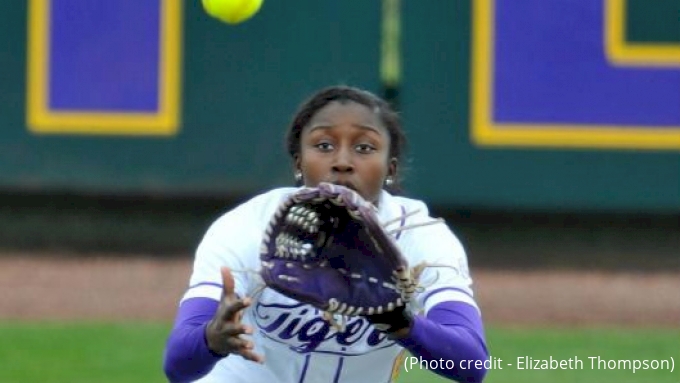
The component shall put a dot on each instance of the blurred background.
(546, 132)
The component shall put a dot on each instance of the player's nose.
(342, 162)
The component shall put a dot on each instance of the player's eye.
(365, 148)
(324, 146)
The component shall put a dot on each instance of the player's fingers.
(232, 311)
(237, 330)
(247, 330)
(238, 344)
(252, 356)
(227, 282)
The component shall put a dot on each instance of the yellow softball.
(232, 11)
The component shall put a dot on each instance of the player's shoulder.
(409, 203)
(414, 210)
(267, 200)
(423, 230)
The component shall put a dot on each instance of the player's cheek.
(314, 174)
(379, 169)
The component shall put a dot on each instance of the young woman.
(225, 333)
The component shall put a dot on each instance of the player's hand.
(223, 333)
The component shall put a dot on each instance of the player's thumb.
(228, 283)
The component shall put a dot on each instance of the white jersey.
(297, 344)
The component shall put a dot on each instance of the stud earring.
(389, 181)
(298, 176)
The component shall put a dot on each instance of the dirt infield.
(147, 289)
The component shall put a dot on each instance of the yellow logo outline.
(41, 120)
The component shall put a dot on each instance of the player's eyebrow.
(322, 125)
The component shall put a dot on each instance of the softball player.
(229, 329)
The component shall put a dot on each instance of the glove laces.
(399, 229)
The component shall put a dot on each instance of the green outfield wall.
(560, 105)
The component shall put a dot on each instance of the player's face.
(346, 144)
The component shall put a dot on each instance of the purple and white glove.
(325, 246)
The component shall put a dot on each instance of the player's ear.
(297, 170)
(392, 167)
(297, 165)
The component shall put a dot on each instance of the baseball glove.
(325, 246)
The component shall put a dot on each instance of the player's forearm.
(187, 356)
(452, 331)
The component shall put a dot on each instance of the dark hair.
(341, 93)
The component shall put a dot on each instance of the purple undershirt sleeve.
(452, 331)
(187, 356)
